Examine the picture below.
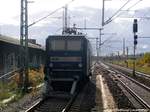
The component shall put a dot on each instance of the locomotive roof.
(67, 36)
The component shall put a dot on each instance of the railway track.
(57, 103)
(137, 93)
(140, 77)
(129, 71)
(81, 101)
(8, 75)
(85, 101)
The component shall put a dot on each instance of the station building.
(10, 54)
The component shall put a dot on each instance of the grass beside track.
(10, 88)
(144, 68)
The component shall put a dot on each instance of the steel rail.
(67, 107)
(133, 80)
(37, 104)
(130, 71)
(138, 83)
(137, 97)
(131, 91)
(9, 73)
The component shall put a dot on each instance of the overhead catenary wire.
(115, 15)
(133, 15)
(44, 17)
(134, 4)
(144, 16)
(110, 19)
(39, 20)
(127, 9)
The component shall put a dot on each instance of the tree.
(147, 58)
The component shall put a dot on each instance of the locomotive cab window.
(68, 45)
(74, 45)
(57, 45)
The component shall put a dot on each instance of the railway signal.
(135, 30)
(135, 39)
(135, 26)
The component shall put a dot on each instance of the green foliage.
(5, 89)
(9, 89)
(142, 64)
(143, 69)
(147, 58)
(144, 61)
(5, 95)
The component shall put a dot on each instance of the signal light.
(135, 26)
(135, 39)
(135, 42)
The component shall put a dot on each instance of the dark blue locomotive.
(68, 61)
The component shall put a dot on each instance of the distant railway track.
(136, 92)
(146, 76)
(140, 77)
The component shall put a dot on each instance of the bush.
(147, 58)
(140, 62)
(6, 90)
(144, 61)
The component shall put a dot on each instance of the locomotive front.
(66, 60)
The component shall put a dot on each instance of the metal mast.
(66, 16)
(103, 9)
(65, 19)
(124, 45)
(100, 41)
(24, 43)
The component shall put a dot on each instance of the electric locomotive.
(68, 61)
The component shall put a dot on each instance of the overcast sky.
(79, 10)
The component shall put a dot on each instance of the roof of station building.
(16, 41)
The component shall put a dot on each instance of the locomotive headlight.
(80, 65)
(51, 65)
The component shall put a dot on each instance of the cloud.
(50, 26)
(8, 10)
(10, 30)
(145, 46)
